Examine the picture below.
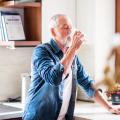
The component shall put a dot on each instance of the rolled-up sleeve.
(49, 70)
(84, 80)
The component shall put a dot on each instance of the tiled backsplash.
(12, 64)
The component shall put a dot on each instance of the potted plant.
(112, 88)
(114, 93)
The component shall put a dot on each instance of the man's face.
(63, 29)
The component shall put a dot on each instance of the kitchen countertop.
(10, 110)
(84, 110)
(93, 111)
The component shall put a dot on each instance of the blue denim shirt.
(44, 98)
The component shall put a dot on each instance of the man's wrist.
(109, 108)
(72, 49)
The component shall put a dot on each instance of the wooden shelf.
(7, 3)
(26, 5)
(19, 5)
(26, 43)
(19, 43)
(32, 23)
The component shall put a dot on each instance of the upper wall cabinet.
(32, 22)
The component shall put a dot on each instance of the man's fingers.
(79, 36)
(115, 111)
(78, 39)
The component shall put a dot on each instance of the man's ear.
(53, 32)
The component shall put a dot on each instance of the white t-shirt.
(66, 96)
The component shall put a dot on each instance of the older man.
(55, 72)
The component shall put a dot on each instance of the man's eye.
(67, 27)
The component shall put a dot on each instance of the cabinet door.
(51, 7)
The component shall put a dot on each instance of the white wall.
(97, 20)
(105, 28)
(86, 22)
(12, 64)
(86, 56)
(51, 7)
(86, 19)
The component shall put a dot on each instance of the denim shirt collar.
(55, 46)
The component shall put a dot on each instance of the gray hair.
(53, 21)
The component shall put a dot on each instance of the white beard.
(66, 42)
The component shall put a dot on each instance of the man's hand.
(101, 100)
(115, 111)
(67, 60)
(69, 55)
(77, 40)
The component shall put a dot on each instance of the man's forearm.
(100, 99)
(68, 59)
